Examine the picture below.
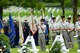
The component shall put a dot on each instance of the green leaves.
(56, 48)
(3, 2)
(67, 3)
(29, 3)
(49, 1)
(4, 38)
(40, 6)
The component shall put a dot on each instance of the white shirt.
(63, 25)
(77, 24)
(54, 25)
(40, 30)
(70, 25)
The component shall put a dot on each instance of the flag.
(46, 31)
(45, 21)
(33, 25)
(21, 40)
(11, 33)
(1, 27)
(51, 16)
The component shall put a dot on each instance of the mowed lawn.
(15, 50)
(72, 50)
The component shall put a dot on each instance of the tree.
(33, 4)
(41, 7)
(3, 3)
(67, 3)
(62, 5)
(6, 3)
(78, 3)
(74, 6)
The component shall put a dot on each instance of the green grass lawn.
(72, 50)
(15, 50)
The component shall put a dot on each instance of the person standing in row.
(26, 29)
(64, 32)
(54, 27)
(70, 31)
(16, 39)
(77, 28)
(5, 27)
(41, 36)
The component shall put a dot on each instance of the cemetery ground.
(25, 14)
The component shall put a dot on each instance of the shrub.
(5, 39)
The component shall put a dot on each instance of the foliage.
(4, 38)
(4, 2)
(40, 6)
(48, 1)
(29, 3)
(56, 48)
(67, 3)
(63, 6)
(78, 3)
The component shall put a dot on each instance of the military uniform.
(41, 37)
(71, 32)
(77, 27)
(53, 27)
(63, 27)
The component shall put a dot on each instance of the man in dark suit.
(5, 27)
(17, 32)
(26, 29)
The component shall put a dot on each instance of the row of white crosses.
(52, 10)
(15, 9)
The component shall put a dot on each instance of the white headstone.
(57, 10)
(49, 10)
(53, 10)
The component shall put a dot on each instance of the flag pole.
(42, 11)
(33, 27)
(21, 40)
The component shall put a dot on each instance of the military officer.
(63, 28)
(41, 31)
(70, 31)
(54, 27)
(77, 28)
